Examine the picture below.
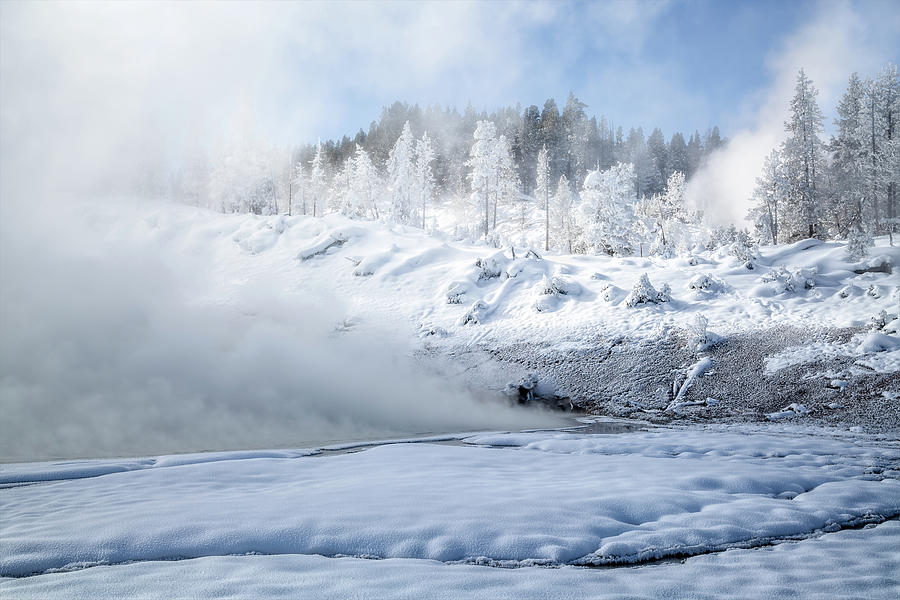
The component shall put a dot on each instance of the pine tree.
(885, 160)
(802, 154)
(483, 174)
(564, 228)
(575, 130)
(656, 146)
(858, 242)
(542, 191)
(668, 209)
(553, 137)
(695, 154)
(297, 189)
(317, 179)
(365, 186)
(507, 183)
(400, 169)
(848, 206)
(678, 155)
(424, 177)
(531, 143)
(769, 198)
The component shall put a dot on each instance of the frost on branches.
(643, 292)
(606, 210)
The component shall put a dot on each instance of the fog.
(119, 347)
(112, 346)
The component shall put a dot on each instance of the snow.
(443, 514)
(850, 564)
(405, 269)
(879, 342)
(697, 370)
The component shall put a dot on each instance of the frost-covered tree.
(889, 82)
(242, 179)
(542, 191)
(678, 155)
(769, 198)
(365, 187)
(668, 212)
(297, 189)
(848, 207)
(424, 177)
(508, 185)
(606, 209)
(564, 230)
(318, 182)
(881, 115)
(659, 155)
(401, 176)
(858, 242)
(484, 170)
(802, 156)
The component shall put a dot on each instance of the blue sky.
(91, 86)
(682, 65)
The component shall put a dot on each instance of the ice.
(558, 498)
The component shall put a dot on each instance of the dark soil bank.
(640, 378)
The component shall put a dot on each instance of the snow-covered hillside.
(471, 293)
(808, 312)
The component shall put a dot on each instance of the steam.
(111, 345)
(840, 38)
(119, 340)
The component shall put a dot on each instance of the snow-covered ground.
(756, 509)
(248, 332)
(381, 272)
(193, 327)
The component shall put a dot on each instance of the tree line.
(844, 187)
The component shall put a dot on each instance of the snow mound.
(879, 342)
(705, 282)
(643, 292)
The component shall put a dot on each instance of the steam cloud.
(839, 39)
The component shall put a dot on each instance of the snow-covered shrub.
(488, 268)
(558, 286)
(475, 314)
(322, 245)
(873, 291)
(699, 334)
(609, 292)
(551, 289)
(705, 282)
(858, 242)
(430, 329)
(785, 281)
(880, 320)
(850, 290)
(665, 294)
(643, 292)
(743, 249)
(455, 291)
(701, 338)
